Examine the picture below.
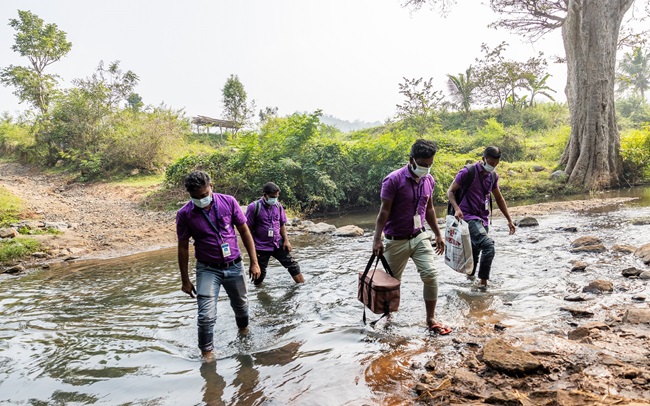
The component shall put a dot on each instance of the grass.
(10, 207)
(16, 248)
(144, 180)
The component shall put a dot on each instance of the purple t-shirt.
(474, 205)
(270, 217)
(409, 197)
(225, 214)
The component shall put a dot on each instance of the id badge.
(225, 250)
(417, 221)
(487, 203)
(270, 233)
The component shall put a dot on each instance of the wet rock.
(428, 379)
(624, 249)
(39, 254)
(639, 381)
(585, 241)
(421, 388)
(467, 378)
(637, 316)
(631, 373)
(504, 399)
(568, 229)
(644, 275)
(503, 357)
(45, 266)
(499, 327)
(76, 250)
(349, 231)
(586, 330)
(579, 266)
(638, 298)
(15, 269)
(321, 228)
(575, 298)
(599, 286)
(577, 312)
(641, 222)
(589, 248)
(472, 363)
(430, 365)
(527, 222)
(8, 233)
(644, 253)
(629, 272)
(416, 365)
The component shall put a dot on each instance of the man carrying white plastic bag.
(458, 246)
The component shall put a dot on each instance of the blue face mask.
(201, 203)
(271, 201)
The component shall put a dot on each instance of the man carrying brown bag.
(406, 202)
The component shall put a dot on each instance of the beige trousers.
(420, 250)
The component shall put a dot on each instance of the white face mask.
(420, 171)
(271, 201)
(488, 167)
(201, 203)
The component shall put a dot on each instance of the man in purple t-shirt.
(210, 219)
(406, 202)
(474, 207)
(266, 218)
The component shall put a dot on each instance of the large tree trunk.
(590, 35)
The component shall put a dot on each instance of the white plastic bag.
(458, 246)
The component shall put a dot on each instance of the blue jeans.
(208, 284)
(481, 244)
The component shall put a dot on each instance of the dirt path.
(105, 220)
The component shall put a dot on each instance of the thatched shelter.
(209, 122)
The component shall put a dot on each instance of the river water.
(120, 331)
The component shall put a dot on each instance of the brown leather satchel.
(378, 289)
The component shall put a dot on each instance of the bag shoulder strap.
(258, 207)
(461, 192)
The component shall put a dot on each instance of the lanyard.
(216, 209)
(486, 193)
(418, 196)
(269, 215)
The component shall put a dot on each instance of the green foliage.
(42, 44)
(15, 248)
(635, 149)
(632, 112)
(234, 101)
(634, 73)
(10, 207)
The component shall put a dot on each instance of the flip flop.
(440, 329)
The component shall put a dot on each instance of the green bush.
(10, 207)
(635, 149)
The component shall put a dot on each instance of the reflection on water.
(121, 332)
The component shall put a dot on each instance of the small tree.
(119, 85)
(42, 44)
(234, 102)
(418, 110)
(462, 89)
(634, 72)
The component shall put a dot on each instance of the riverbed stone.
(349, 231)
(587, 329)
(631, 272)
(503, 398)
(568, 229)
(468, 378)
(575, 298)
(637, 316)
(15, 269)
(585, 241)
(624, 249)
(575, 312)
(644, 253)
(599, 286)
(8, 233)
(589, 248)
(579, 266)
(527, 222)
(321, 228)
(644, 275)
(503, 357)
(641, 221)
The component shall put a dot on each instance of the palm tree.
(461, 88)
(634, 72)
(538, 87)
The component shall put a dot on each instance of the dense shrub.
(635, 149)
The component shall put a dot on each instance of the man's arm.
(451, 195)
(382, 218)
(183, 260)
(247, 239)
(286, 245)
(431, 218)
(501, 202)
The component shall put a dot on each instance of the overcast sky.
(345, 57)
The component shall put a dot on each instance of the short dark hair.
(492, 152)
(196, 180)
(423, 149)
(270, 188)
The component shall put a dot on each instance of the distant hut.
(209, 122)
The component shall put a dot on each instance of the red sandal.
(440, 329)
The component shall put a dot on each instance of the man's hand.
(378, 248)
(254, 271)
(189, 289)
(286, 245)
(440, 245)
(459, 215)
(511, 226)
